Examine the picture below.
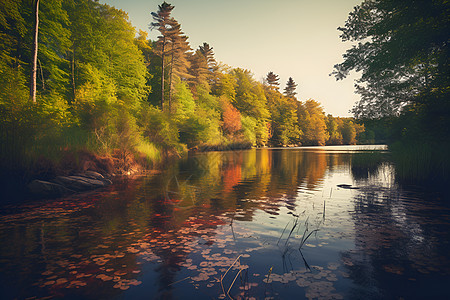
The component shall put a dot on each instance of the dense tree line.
(101, 87)
(402, 51)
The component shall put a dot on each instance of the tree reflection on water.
(174, 234)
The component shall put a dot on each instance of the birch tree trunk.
(35, 53)
(163, 72)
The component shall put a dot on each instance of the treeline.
(102, 88)
(401, 49)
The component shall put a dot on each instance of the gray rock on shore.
(64, 185)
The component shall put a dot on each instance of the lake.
(297, 223)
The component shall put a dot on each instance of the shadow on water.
(255, 223)
(401, 246)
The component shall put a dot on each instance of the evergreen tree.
(290, 88)
(162, 21)
(212, 76)
(179, 62)
(198, 69)
(208, 53)
(272, 79)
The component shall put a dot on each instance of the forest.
(90, 85)
(401, 50)
(135, 167)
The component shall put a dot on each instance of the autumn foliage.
(231, 118)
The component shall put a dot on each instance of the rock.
(48, 189)
(93, 175)
(76, 184)
(107, 181)
(94, 182)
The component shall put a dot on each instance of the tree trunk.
(170, 82)
(35, 52)
(163, 73)
(73, 74)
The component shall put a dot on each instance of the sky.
(292, 38)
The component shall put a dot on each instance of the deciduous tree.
(403, 56)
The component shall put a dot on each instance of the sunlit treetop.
(401, 52)
(272, 79)
(290, 88)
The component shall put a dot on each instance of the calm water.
(244, 225)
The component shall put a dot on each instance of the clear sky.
(292, 38)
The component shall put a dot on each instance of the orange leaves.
(232, 175)
(231, 117)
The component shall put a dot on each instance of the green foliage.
(333, 126)
(54, 42)
(349, 133)
(402, 53)
(226, 86)
(94, 82)
(184, 105)
(249, 126)
(95, 99)
(284, 119)
(151, 152)
(313, 123)
(198, 123)
(198, 130)
(158, 128)
(205, 99)
(421, 162)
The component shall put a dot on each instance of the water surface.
(300, 223)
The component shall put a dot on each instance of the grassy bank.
(421, 162)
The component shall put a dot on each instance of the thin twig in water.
(290, 233)
(232, 265)
(231, 225)
(304, 260)
(179, 280)
(304, 241)
(223, 276)
(228, 292)
(283, 232)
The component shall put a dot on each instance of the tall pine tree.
(162, 21)
(272, 79)
(208, 53)
(179, 62)
(290, 88)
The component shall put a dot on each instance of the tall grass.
(366, 164)
(421, 162)
(151, 152)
